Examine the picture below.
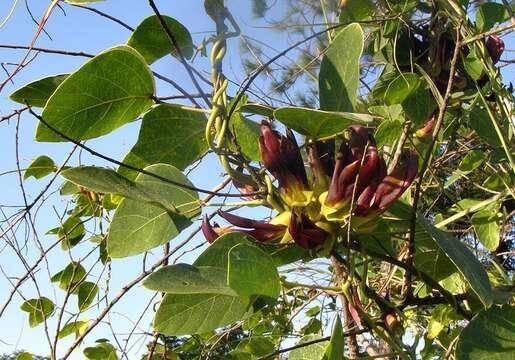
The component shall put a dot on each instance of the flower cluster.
(348, 188)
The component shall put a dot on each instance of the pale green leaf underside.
(37, 92)
(105, 93)
(339, 70)
(169, 134)
(317, 123)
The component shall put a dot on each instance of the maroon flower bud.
(357, 163)
(209, 233)
(426, 129)
(394, 185)
(321, 159)
(259, 230)
(305, 233)
(495, 47)
(281, 156)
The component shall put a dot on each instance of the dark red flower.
(281, 156)
(305, 233)
(495, 47)
(357, 163)
(259, 230)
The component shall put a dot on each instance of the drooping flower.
(281, 156)
(495, 47)
(374, 200)
(426, 129)
(305, 233)
(357, 165)
(259, 230)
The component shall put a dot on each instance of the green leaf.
(334, 350)
(388, 132)
(103, 180)
(37, 92)
(70, 276)
(24, 356)
(151, 40)
(256, 346)
(188, 279)
(38, 309)
(76, 327)
(419, 105)
(258, 109)
(310, 352)
(217, 254)
(467, 264)
(487, 227)
(105, 93)
(186, 314)
(441, 317)
(482, 124)
(251, 274)
(71, 232)
(356, 10)
(86, 294)
(137, 227)
(247, 135)
(40, 167)
(490, 335)
(339, 70)
(169, 134)
(489, 14)
(317, 123)
(103, 351)
(470, 162)
(473, 66)
(401, 87)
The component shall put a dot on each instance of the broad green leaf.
(103, 351)
(401, 87)
(392, 112)
(467, 264)
(188, 279)
(40, 167)
(76, 327)
(473, 66)
(104, 180)
(37, 92)
(24, 356)
(334, 350)
(38, 309)
(86, 294)
(252, 274)
(71, 232)
(471, 161)
(247, 135)
(356, 10)
(138, 226)
(489, 14)
(490, 335)
(419, 105)
(339, 71)
(482, 124)
(487, 227)
(217, 254)
(314, 351)
(288, 254)
(255, 346)
(258, 109)
(151, 40)
(317, 123)
(70, 276)
(186, 314)
(105, 93)
(441, 317)
(169, 134)
(388, 132)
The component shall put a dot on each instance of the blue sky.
(80, 30)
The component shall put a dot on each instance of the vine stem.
(407, 288)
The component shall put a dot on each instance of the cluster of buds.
(348, 188)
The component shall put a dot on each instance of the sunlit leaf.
(37, 92)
